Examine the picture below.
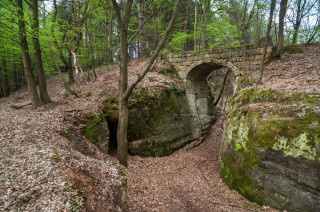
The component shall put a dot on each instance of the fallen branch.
(20, 106)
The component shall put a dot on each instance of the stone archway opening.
(198, 88)
(205, 81)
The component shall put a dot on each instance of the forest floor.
(33, 151)
(184, 181)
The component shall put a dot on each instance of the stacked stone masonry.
(232, 58)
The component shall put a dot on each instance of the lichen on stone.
(299, 146)
(264, 128)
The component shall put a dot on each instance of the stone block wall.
(233, 58)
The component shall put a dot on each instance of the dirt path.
(184, 181)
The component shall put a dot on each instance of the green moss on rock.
(249, 134)
(96, 130)
(158, 124)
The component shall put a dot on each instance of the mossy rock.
(158, 124)
(96, 130)
(169, 72)
(293, 49)
(266, 150)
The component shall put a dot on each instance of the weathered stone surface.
(161, 124)
(225, 55)
(216, 56)
(96, 130)
(270, 151)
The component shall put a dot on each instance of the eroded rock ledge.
(270, 151)
(162, 123)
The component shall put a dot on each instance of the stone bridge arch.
(194, 67)
(233, 58)
(197, 87)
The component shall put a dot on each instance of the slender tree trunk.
(282, 14)
(314, 32)
(122, 149)
(185, 27)
(195, 25)
(69, 68)
(14, 77)
(38, 58)
(206, 8)
(111, 52)
(92, 53)
(62, 80)
(106, 33)
(66, 62)
(263, 56)
(5, 78)
(296, 26)
(143, 48)
(222, 88)
(36, 101)
(124, 91)
(1, 84)
(275, 30)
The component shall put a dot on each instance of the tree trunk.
(124, 91)
(299, 16)
(67, 64)
(14, 77)
(273, 4)
(62, 80)
(185, 27)
(195, 25)
(70, 69)
(106, 32)
(92, 53)
(1, 83)
(282, 14)
(206, 8)
(5, 79)
(38, 58)
(143, 48)
(222, 88)
(36, 101)
(122, 149)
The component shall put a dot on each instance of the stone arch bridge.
(194, 67)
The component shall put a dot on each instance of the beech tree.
(38, 57)
(125, 90)
(282, 14)
(273, 4)
(36, 101)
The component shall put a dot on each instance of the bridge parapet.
(233, 58)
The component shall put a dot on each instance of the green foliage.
(175, 89)
(238, 147)
(178, 40)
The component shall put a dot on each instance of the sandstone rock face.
(96, 130)
(161, 124)
(270, 151)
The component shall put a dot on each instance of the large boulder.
(270, 150)
(162, 123)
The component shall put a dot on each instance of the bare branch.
(154, 56)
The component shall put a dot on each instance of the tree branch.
(154, 56)
(146, 21)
